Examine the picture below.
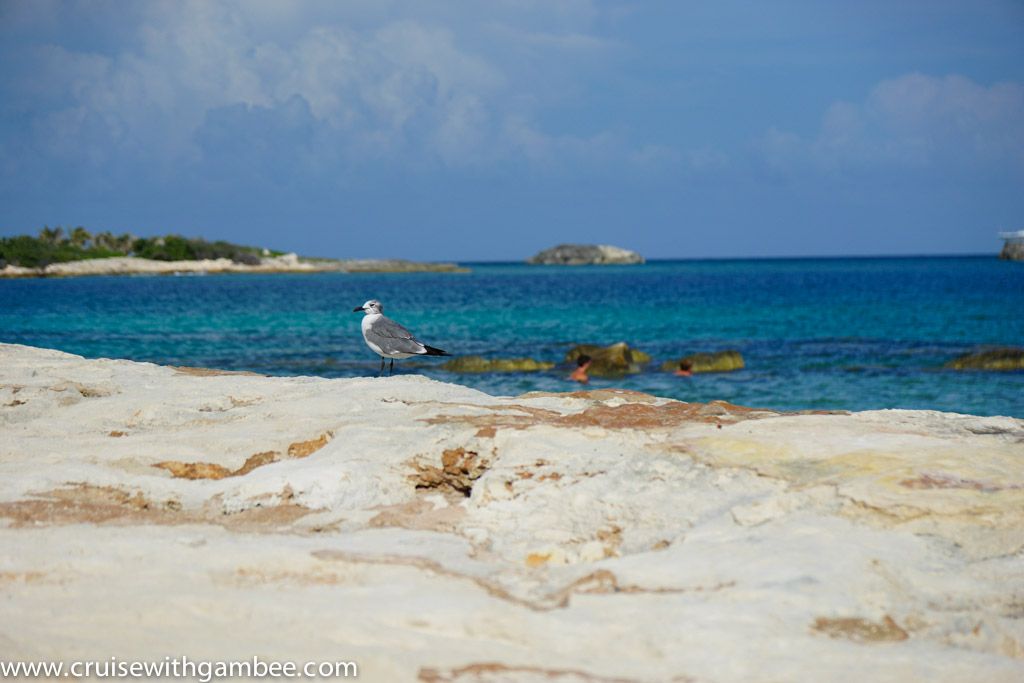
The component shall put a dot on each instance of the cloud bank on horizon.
(492, 130)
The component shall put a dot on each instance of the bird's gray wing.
(393, 338)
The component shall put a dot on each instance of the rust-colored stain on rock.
(949, 481)
(256, 460)
(206, 470)
(301, 449)
(85, 503)
(597, 395)
(861, 630)
(534, 560)
(210, 372)
(22, 577)
(194, 470)
(459, 469)
(419, 514)
(81, 503)
(493, 672)
(636, 414)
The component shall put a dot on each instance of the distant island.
(57, 252)
(1013, 246)
(585, 255)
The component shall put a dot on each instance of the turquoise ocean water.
(816, 333)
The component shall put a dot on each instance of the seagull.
(388, 339)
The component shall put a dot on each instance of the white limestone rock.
(432, 532)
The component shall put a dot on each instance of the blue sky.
(491, 130)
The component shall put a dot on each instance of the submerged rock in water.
(585, 254)
(617, 359)
(481, 364)
(995, 359)
(719, 361)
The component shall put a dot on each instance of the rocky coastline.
(287, 263)
(431, 532)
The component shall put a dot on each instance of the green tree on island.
(105, 240)
(52, 247)
(51, 235)
(80, 237)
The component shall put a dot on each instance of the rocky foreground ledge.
(431, 532)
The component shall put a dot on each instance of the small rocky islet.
(585, 255)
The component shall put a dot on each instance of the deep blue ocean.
(815, 333)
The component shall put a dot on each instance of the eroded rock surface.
(431, 532)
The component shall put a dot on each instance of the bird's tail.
(431, 351)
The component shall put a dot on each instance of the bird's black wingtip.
(431, 351)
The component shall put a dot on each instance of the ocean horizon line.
(695, 259)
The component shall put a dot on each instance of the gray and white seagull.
(388, 339)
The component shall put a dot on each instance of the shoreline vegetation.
(57, 252)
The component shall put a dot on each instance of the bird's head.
(370, 307)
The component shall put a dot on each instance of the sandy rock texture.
(430, 532)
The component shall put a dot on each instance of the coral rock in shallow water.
(481, 364)
(431, 532)
(996, 359)
(720, 361)
(617, 359)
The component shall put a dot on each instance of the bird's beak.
(357, 309)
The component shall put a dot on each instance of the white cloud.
(916, 121)
(522, 138)
(423, 88)
(706, 159)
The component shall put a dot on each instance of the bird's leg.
(391, 371)
(381, 366)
